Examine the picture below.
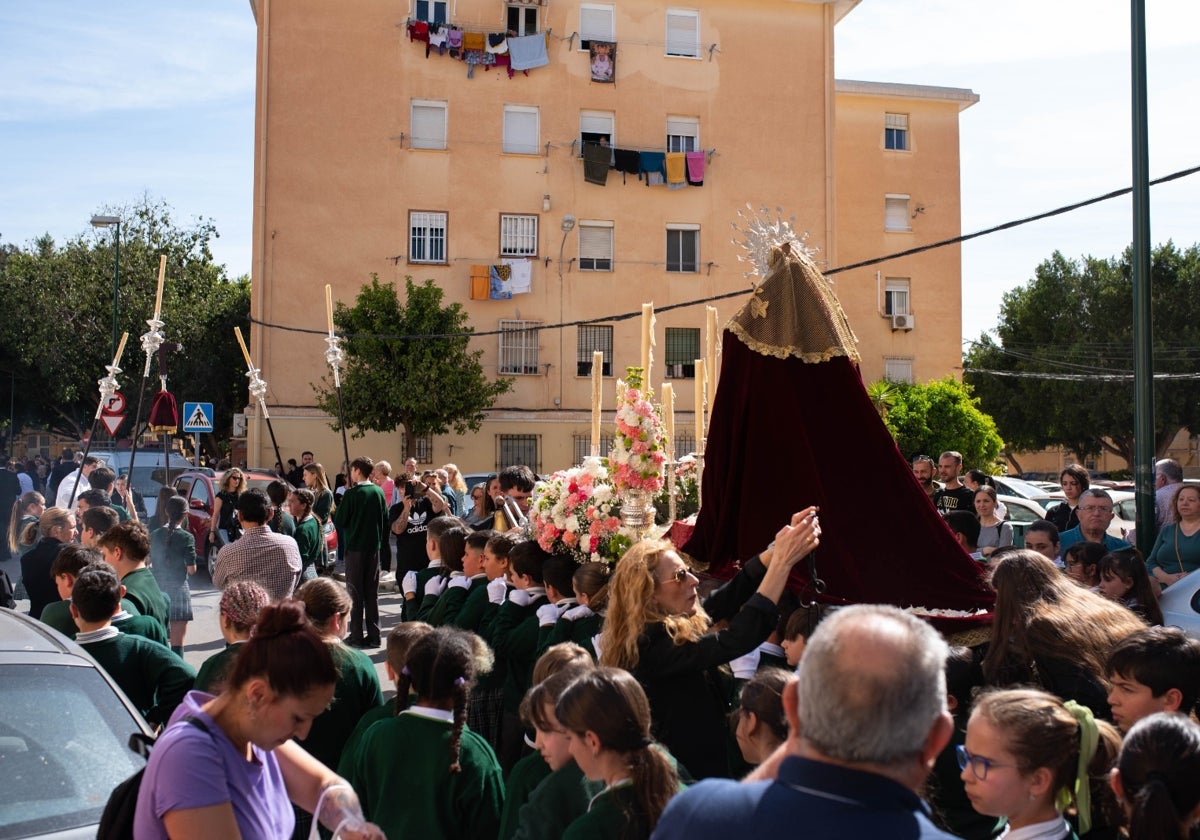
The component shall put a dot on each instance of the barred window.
(683, 348)
(426, 237)
(518, 235)
(519, 347)
(424, 447)
(593, 337)
(685, 444)
(582, 445)
(513, 450)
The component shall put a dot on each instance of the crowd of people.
(535, 696)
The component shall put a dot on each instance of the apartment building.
(392, 139)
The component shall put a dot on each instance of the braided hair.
(441, 669)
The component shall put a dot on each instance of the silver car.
(64, 730)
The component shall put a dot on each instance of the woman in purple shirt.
(227, 766)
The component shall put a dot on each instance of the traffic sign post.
(198, 417)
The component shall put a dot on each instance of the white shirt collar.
(430, 713)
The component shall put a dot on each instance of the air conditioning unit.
(902, 322)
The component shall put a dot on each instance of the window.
(519, 347)
(521, 129)
(897, 370)
(895, 296)
(426, 237)
(683, 348)
(895, 132)
(433, 11)
(896, 213)
(424, 448)
(593, 337)
(522, 19)
(518, 235)
(685, 444)
(683, 134)
(514, 450)
(595, 246)
(582, 444)
(683, 33)
(595, 127)
(596, 22)
(428, 124)
(683, 248)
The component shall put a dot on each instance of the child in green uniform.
(557, 571)
(545, 790)
(582, 623)
(240, 604)
(424, 773)
(71, 560)
(125, 547)
(173, 555)
(607, 720)
(466, 575)
(419, 586)
(477, 615)
(452, 581)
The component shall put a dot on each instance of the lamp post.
(113, 222)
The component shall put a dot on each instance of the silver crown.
(760, 233)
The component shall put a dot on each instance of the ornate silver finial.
(151, 341)
(258, 390)
(334, 356)
(761, 233)
(108, 387)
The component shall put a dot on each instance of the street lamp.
(113, 222)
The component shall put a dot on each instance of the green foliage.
(58, 336)
(942, 415)
(426, 383)
(1075, 317)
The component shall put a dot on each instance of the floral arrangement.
(577, 512)
(687, 491)
(637, 454)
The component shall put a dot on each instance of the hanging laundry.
(604, 61)
(676, 168)
(499, 287)
(454, 39)
(521, 282)
(476, 57)
(497, 43)
(627, 162)
(418, 30)
(474, 41)
(654, 166)
(438, 39)
(503, 60)
(695, 168)
(480, 282)
(528, 52)
(595, 163)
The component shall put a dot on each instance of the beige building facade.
(376, 155)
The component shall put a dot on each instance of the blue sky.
(102, 103)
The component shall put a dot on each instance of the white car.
(1021, 513)
(1180, 603)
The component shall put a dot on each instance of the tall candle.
(120, 350)
(597, 382)
(668, 410)
(238, 332)
(329, 306)
(647, 345)
(700, 378)
(162, 273)
(710, 356)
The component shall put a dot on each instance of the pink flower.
(570, 539)
(612, 523)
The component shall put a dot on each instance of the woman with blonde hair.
(1047, 631)
(456, 486)
(55, 528)
(25, 515)
(317, 481)
(224, 518)
(657, 629)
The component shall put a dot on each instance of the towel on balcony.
(528, 52)
(596, 160)
(695, 168)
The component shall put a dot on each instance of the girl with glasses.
(1029, 757)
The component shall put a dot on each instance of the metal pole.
(278, 458)
(342, 426)
(116, 286)
(1144, 433)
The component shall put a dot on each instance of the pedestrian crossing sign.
(198, 417)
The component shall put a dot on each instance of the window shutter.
(428, 126)
(896, 217)
(596, 124)
(899, 121)
(595, 242)
(521, 131)
(596, 23)
(683, 33)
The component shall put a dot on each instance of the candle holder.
(334, 356)
(637, 513)
(151, 341)
(700, 471)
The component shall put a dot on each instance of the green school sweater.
(142, 589)
(581, 632)
(474, 608)
(514, 637)
(525, 776)
(362, 516)
(411, 610)
(216, 669)
(58, 616)
(450, 603)
(559, 800)
(144, 626)
(403, 779)
(152, 677)
(357, 691)
(355, 741)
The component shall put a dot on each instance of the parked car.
(1009, 486)
(200, 489)
(149, 470)
(63, 734)
(1021, 512)
(1180, 603)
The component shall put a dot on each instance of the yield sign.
(112, 422)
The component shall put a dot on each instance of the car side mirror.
(198, 504)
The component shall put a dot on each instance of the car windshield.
(63, 747)
(1018, 487)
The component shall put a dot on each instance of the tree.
(940, 416)
(408, 366)
(1055, 374)
(58, 334)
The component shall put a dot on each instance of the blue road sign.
(198, 417)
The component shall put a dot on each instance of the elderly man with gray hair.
(866, 719)
(1168, 478)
